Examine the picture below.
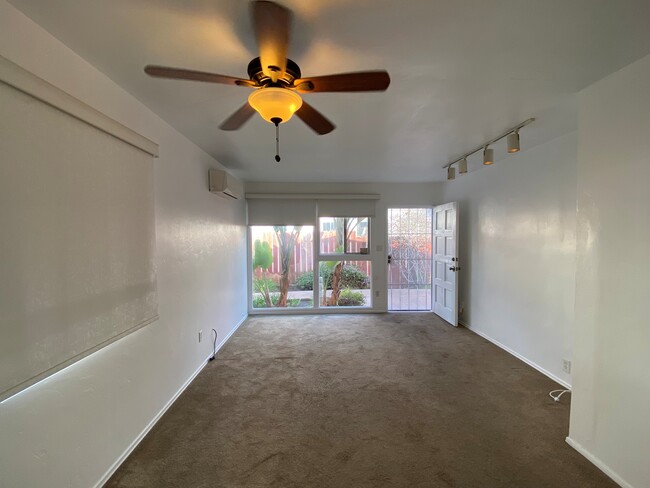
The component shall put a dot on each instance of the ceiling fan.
(277, 81)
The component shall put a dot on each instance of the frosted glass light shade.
(273, 103)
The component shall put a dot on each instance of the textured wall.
(68, 430)
(611, 394)
(517, 251)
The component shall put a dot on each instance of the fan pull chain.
(277, 143)
(276, 121)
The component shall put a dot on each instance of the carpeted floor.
(351, 401)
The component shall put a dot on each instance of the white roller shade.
(272, 211)
(346, 208)
(78, 231)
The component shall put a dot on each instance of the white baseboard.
(162, 411)
(518, 356)
(598, 463)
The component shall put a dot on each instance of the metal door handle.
(454, 268)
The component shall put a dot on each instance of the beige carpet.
(390, 400)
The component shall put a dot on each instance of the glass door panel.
(410, 259)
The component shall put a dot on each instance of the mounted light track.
(488, 153)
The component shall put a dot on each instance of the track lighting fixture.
(488, 156)
(513, 142)
(512, 136)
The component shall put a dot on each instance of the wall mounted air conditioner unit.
(225, 185)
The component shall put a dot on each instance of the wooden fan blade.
(188, 74)
(239, 118)
(314, 119)
(272, 24)
(345, 82)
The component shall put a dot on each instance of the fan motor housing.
(256, 74)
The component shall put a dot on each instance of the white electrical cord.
(557, 397)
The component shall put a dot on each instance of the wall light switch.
(566, 366)
(200, 335)
(377, 293)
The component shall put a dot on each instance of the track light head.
(451, 173)
(513, 142)
(462, 166)
(488, 156)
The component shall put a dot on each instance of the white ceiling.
(462, 72)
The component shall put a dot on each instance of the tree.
(286, 244)
(263, 259)
(410, 243)
(344, 229)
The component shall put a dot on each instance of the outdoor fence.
(302, 260)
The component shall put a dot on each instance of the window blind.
(272, 211)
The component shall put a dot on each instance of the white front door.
(445, 262)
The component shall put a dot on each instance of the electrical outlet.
(566, 366)
(200, 335)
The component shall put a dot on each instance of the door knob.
(452, 268)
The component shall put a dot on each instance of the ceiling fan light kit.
(275, 103)
(276, 79)
(512, 139)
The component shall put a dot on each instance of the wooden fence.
(302, 260)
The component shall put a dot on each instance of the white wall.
(517, 251)
(68, 430)
(391, 195)
(610, 409)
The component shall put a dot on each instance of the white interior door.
(445, 262)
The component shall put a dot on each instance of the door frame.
(387, 248)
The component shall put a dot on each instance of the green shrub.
(262, 255)
(326, 275)
(349, 298)
(258, 301)
(305, 281)
(260, 284)
(353, 277)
